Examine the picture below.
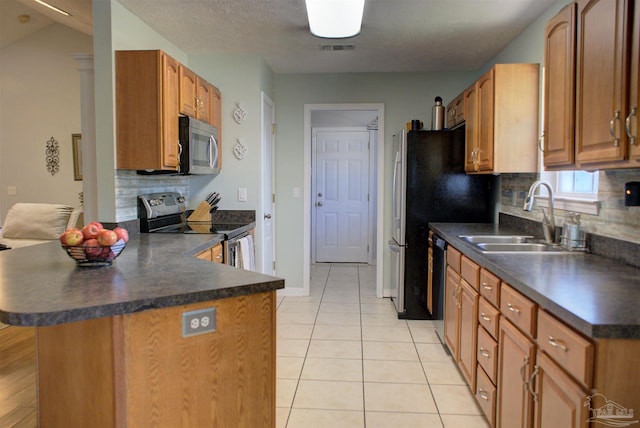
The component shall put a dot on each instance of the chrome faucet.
(548, 223)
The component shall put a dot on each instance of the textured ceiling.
(397, 35)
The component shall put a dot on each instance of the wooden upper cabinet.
(501, 116)
(559, 89)
(602, 81)
(147, 94)
(197, 96)
(455, 112)
(634, 89)
(188, 95)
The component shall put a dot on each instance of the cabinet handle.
(525, 364)
(541, 142)
(484, 352)
(557, 343)
(487, 286)
(612, 125)
(530, 384)
(485, 317)
(632, 138)
(483, 394)
(513, 308)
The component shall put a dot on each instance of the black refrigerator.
(430, 185)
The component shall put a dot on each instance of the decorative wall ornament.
(76, 142)
(239, 113)
(239, 149)
(52, 156)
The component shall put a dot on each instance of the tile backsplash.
(129, 185)
(613, 220)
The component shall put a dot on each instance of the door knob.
(267, 216)
(319, 204)
(319, 195)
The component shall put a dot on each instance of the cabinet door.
(452, 313)
(188, 92)
(203, 100)
(468, 333)
(559, 400)
(170, 104)
(485, 114)
(204, 255)
(559, 89)
(601, 81)
(216, 254)
(471, 131)
(216, 118)
(634, 87)
(516, 358)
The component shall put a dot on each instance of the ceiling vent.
(337, 47)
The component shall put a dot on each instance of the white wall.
(40, 99)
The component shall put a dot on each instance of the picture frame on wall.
(76, 140)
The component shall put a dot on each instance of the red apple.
(72, 237)
(107, 237)
(92, 248)
(97, 223)
(90, 231)
(122, 233)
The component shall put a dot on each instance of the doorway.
(341, 116)
(268, 265)
(340, 191)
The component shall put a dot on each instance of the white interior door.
(341, 195)
(268, 127)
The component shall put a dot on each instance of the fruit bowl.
(94, 255)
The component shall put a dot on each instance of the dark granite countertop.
(593, 294)
(41, 284)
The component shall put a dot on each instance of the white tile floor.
(345, 360)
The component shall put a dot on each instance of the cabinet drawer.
(569, 349)
(490, 287)
(486, 396)
(470, 271)
(518, 309)
(453, 258)
(488, 317)
(488, 354)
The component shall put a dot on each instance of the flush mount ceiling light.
(335, 19)
(53, 7)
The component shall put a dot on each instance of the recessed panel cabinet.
(501, 120)
(559, 91)
(147, 87)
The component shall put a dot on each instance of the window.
(575, 191)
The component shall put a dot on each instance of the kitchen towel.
(247, 258)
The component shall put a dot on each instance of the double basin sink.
(513, 244)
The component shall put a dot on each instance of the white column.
(88, 129)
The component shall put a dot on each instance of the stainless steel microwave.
(199, 149)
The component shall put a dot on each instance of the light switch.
(242, 194)
(12, 190)
(297, 193)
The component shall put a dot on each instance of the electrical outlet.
(198, 322)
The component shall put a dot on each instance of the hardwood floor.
(18, 403)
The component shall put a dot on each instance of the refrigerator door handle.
(394, 194)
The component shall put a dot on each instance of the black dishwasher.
(439, 275)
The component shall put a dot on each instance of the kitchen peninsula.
(110, 344)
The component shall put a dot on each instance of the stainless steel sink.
(513, 244)
(497, 239)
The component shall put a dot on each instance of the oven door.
(231, 248)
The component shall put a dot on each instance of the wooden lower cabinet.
(452, 313)
(559, 401)
(486, 396)
(137, 370)
(516, 360)
(213, 254)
